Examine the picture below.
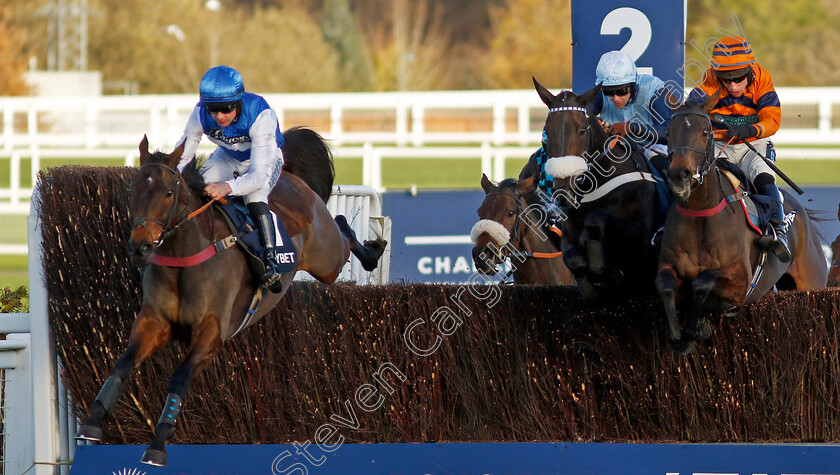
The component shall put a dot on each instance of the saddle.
(757, 208)
(247, 236)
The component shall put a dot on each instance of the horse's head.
(154, 196)
(691, 146)
(572, 138)
(500, 226)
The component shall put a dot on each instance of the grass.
(396, 174)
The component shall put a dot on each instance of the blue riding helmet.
(221, 84)
(615, 68)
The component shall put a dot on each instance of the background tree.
(531, 38)
(340, 29)
(13, 52)
(795, 40)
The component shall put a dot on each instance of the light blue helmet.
(615, 69)
(221, 84)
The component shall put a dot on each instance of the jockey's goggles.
(621, 91)
(738, 79)
(220, 107)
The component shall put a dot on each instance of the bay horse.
(834, 272)
(709, 263)
(510, 227)
(205, 304)
(608, 197)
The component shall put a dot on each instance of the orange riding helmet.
(732, 57)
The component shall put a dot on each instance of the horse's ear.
(590, 95)
(486, 184)
(712, 100)
(525, 186)
(175, 156)
(672, 101)
(144, 150)
(546, 95)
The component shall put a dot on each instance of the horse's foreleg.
(701, 287)
(206, 344)
(592, 238)
(666, 285)
(148, 334)
(576, 263)
(367, 253)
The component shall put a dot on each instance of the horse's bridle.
(166, 229)
(708, 154)
(571, 109)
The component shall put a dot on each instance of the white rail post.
(486, 159)
(18, 434)
(44, 398)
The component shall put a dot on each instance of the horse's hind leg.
(206, 344)
(148, 334)
(369, 253)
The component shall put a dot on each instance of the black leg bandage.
(170, 410)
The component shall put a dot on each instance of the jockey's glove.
(742, 132)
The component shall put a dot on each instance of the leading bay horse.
(206, 303)
(510, 227)
(608, 197)
(709, 258)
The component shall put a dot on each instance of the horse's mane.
(192, 177)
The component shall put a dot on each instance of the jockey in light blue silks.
(248, 159)
(631, 105)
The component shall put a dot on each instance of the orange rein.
(204, 208)
(550, 255)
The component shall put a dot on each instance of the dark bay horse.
(708, 263)
(608, 197)
(834, 272)
(510, 227)
(205, 304)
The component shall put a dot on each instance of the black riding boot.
(266, 226)
(775, 236)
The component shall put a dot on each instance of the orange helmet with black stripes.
(732, 57)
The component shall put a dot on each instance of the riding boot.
(775, 236)
(265, 224)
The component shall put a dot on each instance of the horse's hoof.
(682, 347)
(154, 457)
(87, 432)
(732, 312)
(704, 331)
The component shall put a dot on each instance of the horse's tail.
(307, 156)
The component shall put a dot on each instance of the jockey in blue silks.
(634, 106)
(248, 159)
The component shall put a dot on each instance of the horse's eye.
(705, 133)
(582, 130)
(169, 193)
(511, 213)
